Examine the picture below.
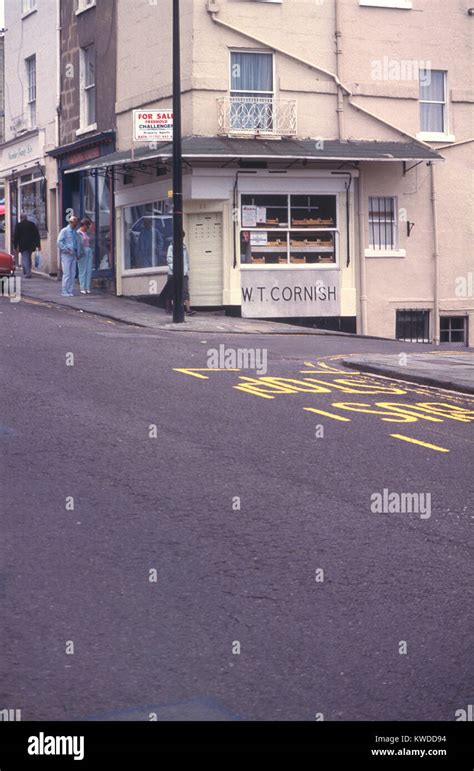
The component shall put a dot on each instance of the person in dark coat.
(26, 239)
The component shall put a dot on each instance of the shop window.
(96, 206)
(251, 91)
(32, 200)
(147, 234)
(453, 329)
(383, 234)
(31, 93)
(88, 93)
(288, 229)
(413, 326)
(433, 101)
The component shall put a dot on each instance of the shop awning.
(228, 149)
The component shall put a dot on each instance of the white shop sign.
(152, 126)
(290, 293)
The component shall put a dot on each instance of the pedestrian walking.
(70, 250)
(170, 282)
(85, 261)
(26, 239)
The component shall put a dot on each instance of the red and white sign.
(152, 125)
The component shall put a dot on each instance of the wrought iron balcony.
(256, 115)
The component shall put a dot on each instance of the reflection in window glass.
(33, 202)
(148, 232)
(97, 207)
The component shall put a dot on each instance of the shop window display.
(288, 229)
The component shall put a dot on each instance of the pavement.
(445, 369)
(131, 311)
(156, 513)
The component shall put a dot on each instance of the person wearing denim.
(70, 250)
(85, 262)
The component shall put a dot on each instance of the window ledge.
(83, 10)
(403, 4)
(385, 253)
(136, 272)
(86, 130)
(406, 5)
(429, 136)
(293, 266)
(28, 13)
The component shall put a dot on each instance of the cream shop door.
(204, 242)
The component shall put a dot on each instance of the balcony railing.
(256, 115)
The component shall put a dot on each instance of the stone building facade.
(31, 69)
(323, 142)
(87, 121)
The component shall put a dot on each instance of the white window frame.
(84, 5)
(31, 91)
(27, 7)
(385, 251)
(292, 265)
(438, 136)
(270, 95)
(255, 91)
(85, 125)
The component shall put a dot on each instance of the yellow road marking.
(327, 414)
(249, 389)
(193, 371)
(423, 444)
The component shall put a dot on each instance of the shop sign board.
(22, 153)
(290, 293)
(153, 126)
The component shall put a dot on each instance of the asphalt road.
(236, 500)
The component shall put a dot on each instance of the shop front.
(263, 244)
(26, 188)
(273, 229)
(90, 194)
(289, 254)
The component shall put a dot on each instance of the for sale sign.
(152, 126)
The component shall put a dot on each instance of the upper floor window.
(88, 97)
(28, 5)
(251, 90)
(31, 94)
(433, 101)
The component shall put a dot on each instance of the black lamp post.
(178, 309)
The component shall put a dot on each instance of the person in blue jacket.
(70, 250)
